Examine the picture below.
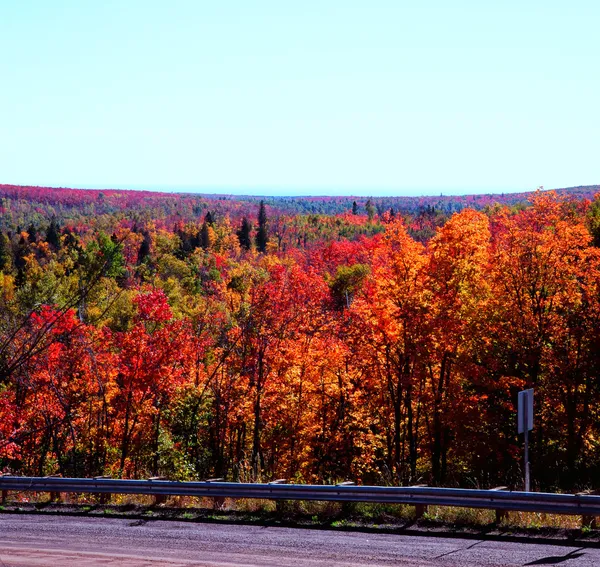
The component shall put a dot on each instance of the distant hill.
(411, 205)
(31, 203)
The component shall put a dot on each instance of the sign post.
(525, 424)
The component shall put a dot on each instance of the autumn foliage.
(139, 346)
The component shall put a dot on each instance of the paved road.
(71, 541)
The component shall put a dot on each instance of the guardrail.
(501, 500)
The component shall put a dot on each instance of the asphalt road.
(72, 541)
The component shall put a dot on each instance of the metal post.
(526, 421)
(159, 498)
(420, 509)
(501, 515)
(218, 501)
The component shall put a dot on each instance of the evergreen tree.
(188, 243)
(205, 236)
(262, 238)
(370, 209)
(243, 234)
(144, 250)
(53, 234)
(4, 252)
(354, 208)
(209, 219)
(32, 232)
(21, 251)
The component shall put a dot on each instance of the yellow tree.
(387, 324)
(546, 277)
(457, 291)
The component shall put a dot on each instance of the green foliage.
(5, 253)
(104, 256)
(184, 451)
(347, 281)
(262, 237)
(593, 221)
(244, 233)
(370, 208)
(53, 234)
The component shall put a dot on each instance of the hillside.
(195, 336)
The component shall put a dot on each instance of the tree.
(347, 281)
(20, 341)
(370, 210)
(244, 233)
(207, 235)
(5, 254)
(388, 328)
(458, 288)
(354, 208)
(144, 250)
(547, 309)
(152, 365)
(262, 237)
(593, 220)
(53, 234)
(32, 233)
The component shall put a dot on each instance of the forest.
(378, 340)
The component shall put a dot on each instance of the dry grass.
(482, 517)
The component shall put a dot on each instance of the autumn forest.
(377, 340)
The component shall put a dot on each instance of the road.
(67, 541)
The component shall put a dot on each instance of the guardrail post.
(589, 521)
(501, 515)
(279, 504)
(218, 501)
(348, 507)
(420, 509)
(4, 492)
(55, 496)
(104, 497)
(159, 498)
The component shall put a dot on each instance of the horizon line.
(298, 192)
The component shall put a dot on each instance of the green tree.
(4, 252)
(32, 232)
(593, 220)
(348, 280)
(53, 234)
(370, 210)
(243, 234)
(144, 250)
(262, 237)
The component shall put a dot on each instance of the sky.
(314, 97)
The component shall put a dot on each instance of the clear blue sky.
(370, 97)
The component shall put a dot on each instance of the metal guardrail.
(586, 505)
